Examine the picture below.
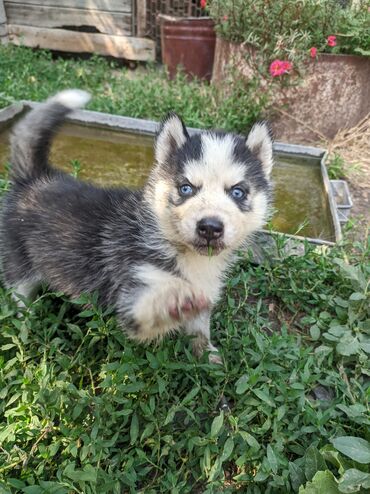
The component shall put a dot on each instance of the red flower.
(313, 52)
(280, 67)
(225, 17)
(203, 4)
(331, 40)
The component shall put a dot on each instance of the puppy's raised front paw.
(162, 308)
(187, 306)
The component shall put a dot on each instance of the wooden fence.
(106, 27)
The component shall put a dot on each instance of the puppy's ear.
(259, 141)
(171, 136)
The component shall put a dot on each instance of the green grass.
(85, 410)
(34, 75)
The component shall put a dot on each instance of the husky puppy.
(157, 255)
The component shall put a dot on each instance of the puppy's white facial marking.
(213, 176)
(210, 191)
(218, 168)
(217, 163)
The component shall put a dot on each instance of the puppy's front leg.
(163, 303)
(200, 328)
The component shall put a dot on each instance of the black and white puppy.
(157, 255)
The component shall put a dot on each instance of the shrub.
(287, 29)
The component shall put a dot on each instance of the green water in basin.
(116, 158)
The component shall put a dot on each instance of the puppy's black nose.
(210, 228)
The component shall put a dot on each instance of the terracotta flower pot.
(188, 43)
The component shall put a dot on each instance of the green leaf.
(297, 476)
(15, 483)
(8, 346)
(314, 462)
(170, 415)
(353, 273)
(242, 384)
(338, 330)
(53, 487)
(341, 302)
(365, 53)
(348, 345)
(264, 397)
(153, 362)
(134, 429)
(228, 449)
(324, 315)
(250, 440)
(33, 489)
(77, 411)
(353, 480)
(261, 475)
(207, 459)
(272, 459)
(353, 411)
(86, 313)
(132, 387)
(217, 424)
(356, 448)
(88, 474)
(315, 332)
(357, 296)
(323, 482)
(365, 342)
(192, 394)
(148, 431)
(331, 455)
(215, 470)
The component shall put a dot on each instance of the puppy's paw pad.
(201, 303)
(186, 305)
(193, 304)
(174, 312)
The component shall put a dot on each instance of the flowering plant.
(293, 31)
(280, 67)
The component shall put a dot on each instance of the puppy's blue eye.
(237, 193)
(186, 190)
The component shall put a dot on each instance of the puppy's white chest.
(205, 274)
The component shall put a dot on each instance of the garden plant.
(291, 31)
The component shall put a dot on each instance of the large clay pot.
(189, 43)
(334, 92)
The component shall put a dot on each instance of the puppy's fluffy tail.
(32, 137)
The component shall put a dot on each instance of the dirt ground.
(354, 146)
(359, 185)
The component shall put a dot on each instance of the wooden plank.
(141, 29)
(108, 5)
(115, 23)
(3, 21)
(126, 47)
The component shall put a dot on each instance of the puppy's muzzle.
(210, 229)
